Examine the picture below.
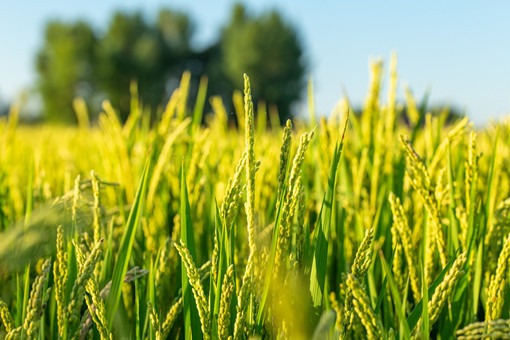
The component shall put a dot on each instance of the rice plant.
(390, 223)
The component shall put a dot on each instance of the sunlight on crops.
(340, 228)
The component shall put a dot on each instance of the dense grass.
(372, 226)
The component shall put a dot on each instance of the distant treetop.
(76, 60)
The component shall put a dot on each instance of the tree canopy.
(132, 49)
(268, 49)
(77, 60)
(66, 68)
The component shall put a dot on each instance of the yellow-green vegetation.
(391, 223)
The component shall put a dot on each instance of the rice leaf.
(425, 304)
(416, 313)
(321, 241)
(30, 192)
(399, 307)
(192, 325)
(215, 290)
(199, 104)
(126, 245)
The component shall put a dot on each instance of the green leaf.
(399, 307)
(270, 262)
(72, 269)
(321, 241)
(199, 104)
(137, 311)
(382, 292)
(30, 192)
(477, 280)
(126, 245)
(453, 204)
(192, 325)
(490, 194)
(425, 306)
(107, 265)
(215, 290)
(151, 287)
(403, 321)
(413, 318)
(22, 299)
(323, 328)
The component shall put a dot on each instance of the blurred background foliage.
(78, 60)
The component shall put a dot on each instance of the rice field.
(389, 224)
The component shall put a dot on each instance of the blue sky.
(458, 49)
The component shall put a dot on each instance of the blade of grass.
(137, 311)
(477, 284)
(321, 242)
(395, 296)
(106, 267)
(26, 291)
(382, 291)
(403, 322)
(151, 285)
(270, 262)
(490, 197)
(413, 318)
(425, 292)
(425, 304)
(199, 104)
(192, 325)
(453, 204)
(126, 245)
(30, 192)
(215, 289)
(72, 269)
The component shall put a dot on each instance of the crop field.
(391, 223)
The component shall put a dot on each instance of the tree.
(132, 49)
(77, 61)
(65, 66)
(269, 51)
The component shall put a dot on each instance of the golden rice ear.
(495, 293)
(246, 292)
(288, 233)
(362, 307)
(421, 182)
(443, 291)
(359, 268)
(402, 228)
(97, 308)
(227, 290)
(156, 326)
(37, 302)
(290, 202)
(197, 288)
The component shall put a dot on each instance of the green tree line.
(77, 60)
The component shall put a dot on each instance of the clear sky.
(458, 49)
